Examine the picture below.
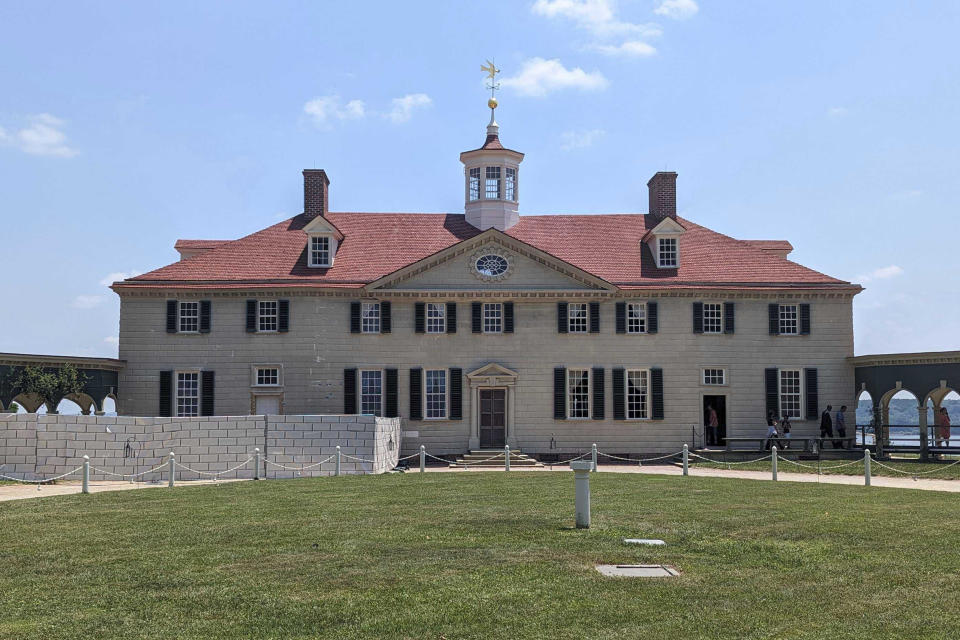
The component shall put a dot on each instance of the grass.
(931, 470)
(480, 555)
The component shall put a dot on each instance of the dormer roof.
(322, 225)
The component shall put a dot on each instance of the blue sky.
(124, 126)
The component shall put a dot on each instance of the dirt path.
(25, 491)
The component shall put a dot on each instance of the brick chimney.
(316, 193)
(663, 195)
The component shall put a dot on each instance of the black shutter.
(599, 400)
(251, 316)
(171, 316)
(805, 319)
(619, 394)
(416, 394)
(350, 391)
(456, 394)
(204, 316)
(354, 319)
(476, 310)
(451, 317)
(419, 317)
(385, 321)
(773, 315)
(773, 391)
(698, 317)
(656, 390)
(559, 393)
(728, 317)
(283, 316)
(562, 317)
(813, 399)
(621, 317)
(390, 393)
(166, 394)
(652, 322)
(206, 393)
(508, 317)
(594, 317)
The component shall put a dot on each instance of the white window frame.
(716, 319)
(704, 377)
(640, 320)
(784, 319)
(261, 316)
(439, 317)
(569, 393)
(255, 376)
(510, 184)
(177, 396)
(493, 314)
(370, 322)
(313, 254)
(443, 395)
(673, 252)
(181, 317)
(496, 179)
(473, 183)
(363, 395)
(647, 400)
(799, 393)
(574, 323)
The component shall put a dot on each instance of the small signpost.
(581, 478)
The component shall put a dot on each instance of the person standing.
(841, 423)
(785, 429)
(713, 424)
(942, 420)
(772, 434)
(826, 425)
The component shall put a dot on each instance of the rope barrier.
(68, 473)
(128, 475)
(640, 460)
(915, 473)
(696, 455)
(558, 463)
(344, 455)
(412, 455)
(821, 467)
(214, 473)
(283, 466)
(485, 460)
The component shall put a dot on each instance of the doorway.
(493, 417)
(719, 404)
(267, 405)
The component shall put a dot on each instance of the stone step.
(493, 459)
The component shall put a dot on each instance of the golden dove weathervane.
(492, 72)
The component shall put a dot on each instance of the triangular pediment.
(492, 369)
(523, 268)
(322, 225)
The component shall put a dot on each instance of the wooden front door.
(493, 417)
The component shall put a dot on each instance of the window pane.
(788, 319)
(790, 393)
(436, 393)
(320, 251)
(712, 317)
(492, 317)
(436, 317)
(511, 186)
(267, 317)
(668, 252)
(578, 393)
(577, 317)
(188, 394)
(637, 402)
(370, 393)
(370, 317)
(493, 183)
(636, 317)
(268, 377)
(189, 316)
(474, 184)
(714, 376)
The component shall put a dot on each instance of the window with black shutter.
(416, 394)
(813, 397)
(390, 393)
(559, 393)
(166, 394)
(354, 319)
(773, 315)
(206, 393)
(652, 321)
(804, 319)
(419, 317)
(728, 317)
(204, 316)
(619, 394)
(771, 379)
(349, 391)
(171, 316)
(698, 317)
(456, 394)
(656, 392)
(621, 317)
(283, 316)
(599, 400)
(476, 311)
(562, 317)
(451, 317)
(385, 324)
(251, 316)
(594, 317)
(508, 317)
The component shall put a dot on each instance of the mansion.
(484, 328)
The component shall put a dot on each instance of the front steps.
(494, 459)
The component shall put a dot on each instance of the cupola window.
(511, 186)
(493, 183)
(474, 184)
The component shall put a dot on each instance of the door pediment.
(492, 374)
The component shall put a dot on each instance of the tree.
(52, 386)
(13, 408)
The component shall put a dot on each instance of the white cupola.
(491, 180)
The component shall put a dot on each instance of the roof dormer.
(323, 238)
(664, 243)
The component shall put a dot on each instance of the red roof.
(198, 244)
(377, 244)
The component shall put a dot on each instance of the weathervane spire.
(491, 71)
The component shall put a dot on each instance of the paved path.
(23, 491)
(671, 470)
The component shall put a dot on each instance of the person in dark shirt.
(826, 425)
(841, 423)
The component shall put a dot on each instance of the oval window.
(491, 265)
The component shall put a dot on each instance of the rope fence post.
(423, 458)
(773, 462)
(86, 474)
(256, 463)
(866, 467)
(686, 460)
(593, 456)
(337, 472)
(506, 457)
(170, 463)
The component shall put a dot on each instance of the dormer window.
(493, 184)
(320, 251)
(511, 186)
(474, 184)
(667, 252)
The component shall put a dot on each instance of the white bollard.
(170, 471)
(423, 458)
(506, 457)
(86, 474)
(581, 479)
(686, 460)
(593, 456)
(256, 463)
(337, 472)
(866, 467)
(773, 460)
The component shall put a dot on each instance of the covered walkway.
(99, 375)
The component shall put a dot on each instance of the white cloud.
(112, 340)
(677, 9)
(538, 77)
(404, 107)
(882, 273)
(110, 278)
(87, 302)
(837, 112)
(43, 137)
(630, 49)
(597, 16)
(327, 108)
(579, 139)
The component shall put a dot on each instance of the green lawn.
(480, 555)
(931, 470)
